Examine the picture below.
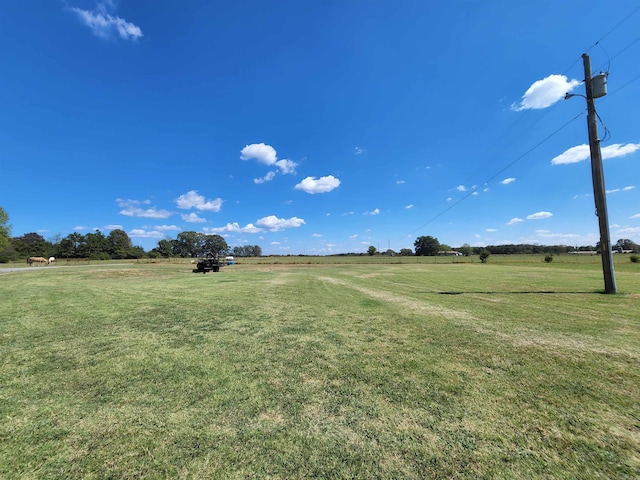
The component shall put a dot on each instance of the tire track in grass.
(406, 302)
(519, 338)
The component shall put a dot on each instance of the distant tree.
(390, 253)
(372, 250)
(406, 252)
(444, 248)
(215, 244)
(484, 255)
(164, 248)
(189, 244)
(626, 244)
(118, 244)
(466, 250)
(548, 257)
(426, 245)
(137, 251)
(97, 246)
(5, 229)
(31, 245)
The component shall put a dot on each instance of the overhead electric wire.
(607, 131)
(473, 190)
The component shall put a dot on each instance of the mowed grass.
(319, 371)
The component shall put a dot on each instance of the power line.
(614, 28)
(473, 190)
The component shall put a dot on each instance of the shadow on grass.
(532, 292)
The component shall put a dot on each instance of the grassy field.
(320, 370)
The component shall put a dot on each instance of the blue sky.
(314, 126)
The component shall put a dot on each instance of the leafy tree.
(372, 250)
(118, 244)
(466, 250)
(189, 244)
(215, 245)
(548, 257)
(32, 245)
(164, 248)
(5, 229)
(626, 244)
(96, 246)
(426, 245)
(484, 255)
(406, 252)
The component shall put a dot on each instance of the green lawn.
(320, 370)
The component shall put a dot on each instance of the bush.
(635, 258)
(548, 257)
(484, 255)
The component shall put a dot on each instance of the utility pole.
(598, 182)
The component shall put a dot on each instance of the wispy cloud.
(408, 207)
(461, 188)
(235, 228)
(142, 233)
(358, 151)
(276, 224)
(321, 185)
(375, 211)
(191, 199)
(539, 215)
(491, 230)
(507, 181)
(544, 93)
(105, 25)
(515, 221)
(192, 218)
(132, 208)
(637, 215)
(582, 152)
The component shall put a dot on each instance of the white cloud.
(637, 215)
(375, 211)
(191, 199)
(491, 230)
(192, 218)
(461, 188)
(267, 178)
(321, 185)
(582, 152)
(131, 208)
(539, 215)
(408, 206)
(544, 93)
(629, 232)
(449, 199)
(276, 224)
(515, 221)
(400, 182)
(358, 151)
(630, 187)
(507, 181)
(105, 25)
(235, 228)
(112, 227)
(167, 228)
(141, 233)
(286, 166)
(259, 151)
(266, 155)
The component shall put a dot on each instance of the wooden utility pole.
(597, 176)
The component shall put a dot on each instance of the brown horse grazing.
(32, 260)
